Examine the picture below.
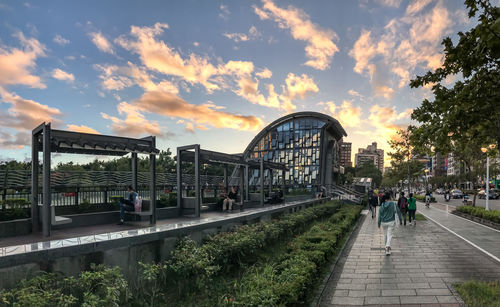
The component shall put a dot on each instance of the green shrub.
(85, 206)
(490, 215)
(98, 287)
(422, 198)
(13, 209)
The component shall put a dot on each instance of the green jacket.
(387, 212)
(412, 203)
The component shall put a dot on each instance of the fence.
(71, 188)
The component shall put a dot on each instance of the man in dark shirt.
(373, 202)
(230, 199)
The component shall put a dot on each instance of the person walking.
(402, 207)
(386, 219)
(373, 202)
(412, 208)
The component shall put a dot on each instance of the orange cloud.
(320, 46)
(17, 64)
(101, 42)
(346, 114)
(81, 128)
(168, 104)
(17, 141)
(134, 124)
(26, 114)
(62, 75)
(265, 74)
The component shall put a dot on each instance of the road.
(493, 204)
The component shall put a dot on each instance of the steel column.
(179, 178)
(35, 223)
(242, 179)
(134, 170)
(152, 187)
(247, 186)
(261, 171)
(197, 207)
(46, 216)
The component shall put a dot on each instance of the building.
(438, 168)
(345, 154)
(452, 166)
(371, 153)
(307, 142)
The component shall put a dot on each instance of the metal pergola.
(47, 140)
(196, 155)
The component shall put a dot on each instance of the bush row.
(98, 287)
(192, 267)
(13, 209)
(288, 280)
(490, 215)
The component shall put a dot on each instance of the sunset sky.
(214, 72)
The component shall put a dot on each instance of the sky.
(215, 73)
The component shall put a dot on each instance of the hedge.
(197, 273)
(422, 198)
(490, 215)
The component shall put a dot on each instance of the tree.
(403, 165)
(369, 170)
(470, 109)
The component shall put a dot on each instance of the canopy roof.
(208, 156)
(96, 144)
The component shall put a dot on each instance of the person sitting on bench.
(230, 199)
(127, 204)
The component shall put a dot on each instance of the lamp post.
(426, 179)
(485, 150)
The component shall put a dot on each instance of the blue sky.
(214, 72)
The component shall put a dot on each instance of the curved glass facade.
(297, 143)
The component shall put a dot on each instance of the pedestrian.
(373, 202)
(412, 208)
(402, 207)
(386, 219)
(127, 204)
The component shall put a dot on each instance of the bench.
(146, 210)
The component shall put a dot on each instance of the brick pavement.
(426, 260)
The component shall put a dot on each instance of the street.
(494, 204)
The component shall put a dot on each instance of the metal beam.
(179, 178)
(46, 216)
(270, 181)
(261, 173)
(242, 178)
(134, 170)
(247, 188)
(152, 187)
(197, 207)
(35, 223)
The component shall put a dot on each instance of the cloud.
(389, 56)
(14, 141)
(390, 3)
(58, 39)
(355, 94)
(158, 56)
(25, 114)
(264, 74)
(101, 42)
(346, 114)
(299, 86)
(17, 64)
(134, 124)
(81, 128)
(170, 105)
(253, 33)
(224, 11)
(320, 46)
(62, 75)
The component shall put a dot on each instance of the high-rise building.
(371, 153)
(438, 165)
(345, 154)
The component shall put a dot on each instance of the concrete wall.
(154, 245)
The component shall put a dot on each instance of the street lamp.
(485, 150)
(426, 179)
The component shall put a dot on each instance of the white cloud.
(58, 39)
(320, 46)
(253, 34)
(101, 42)
(224, 11)
(17, 64)
(62, 75)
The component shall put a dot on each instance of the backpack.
(138, 204)
(403, 204)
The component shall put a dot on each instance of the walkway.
(425, 262)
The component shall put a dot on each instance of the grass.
(420, 217)
(479, 294)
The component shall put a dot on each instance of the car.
(456, 194)
(492, 193)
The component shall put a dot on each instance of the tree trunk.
(474, 201)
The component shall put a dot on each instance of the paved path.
(425, 262)
(485, 238)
